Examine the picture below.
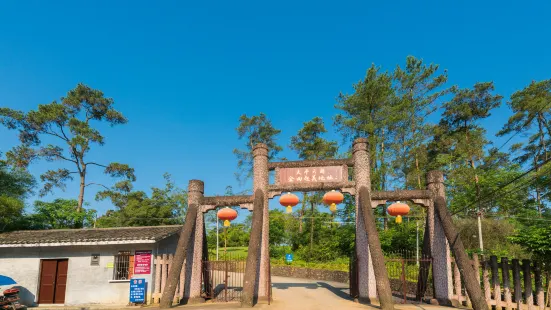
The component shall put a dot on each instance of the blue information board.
(288, 258)
(138, 288)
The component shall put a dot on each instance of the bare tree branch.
(93, 163)
(98, 185)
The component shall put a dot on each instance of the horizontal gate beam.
(314, 186)
(311, 163)
(227, 201)
(401, 195)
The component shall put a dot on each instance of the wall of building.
(86, 284)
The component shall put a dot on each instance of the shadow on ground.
(339, 291)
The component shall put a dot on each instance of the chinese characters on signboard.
(137, 291)
(311, 174)
(142, 262)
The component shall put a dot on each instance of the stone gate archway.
(256, 279)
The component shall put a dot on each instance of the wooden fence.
(162, 264)
(526, 292)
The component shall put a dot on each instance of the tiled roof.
(120, 234)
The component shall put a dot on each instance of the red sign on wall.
(311, 175)
(142, 262)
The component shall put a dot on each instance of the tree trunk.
(418, 172)
(377, 257)
(179, 257)
(542, 138)
(538, 194)
(462, 260)
(82, 188)
(252, 267)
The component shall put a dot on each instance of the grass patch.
(237, 252)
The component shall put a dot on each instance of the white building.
(83, 266)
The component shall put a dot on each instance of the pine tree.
(255, 129)
(70, 124)
(532, 108)
(309, 145)
(418, 88)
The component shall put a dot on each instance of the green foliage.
(366, 113)
(330, 240)
(60, 214)
(340, 264)
(532, 108)
(69, 123)
(279, 227)
(536, 240)
(237, 235)
(309, 144)
(418, 87)
(459, 147)
(15, 186)
(165, 206)
(496, 234)
(491, 176)
(254, 129)
(400, 237)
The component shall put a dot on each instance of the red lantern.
(333, 198)
(398, 209)
(289, 200)
(227, 214)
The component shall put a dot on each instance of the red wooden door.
(47, 282)
(53, 281)
(61, 281)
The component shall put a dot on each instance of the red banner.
(142, 262)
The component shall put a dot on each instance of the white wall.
(85, 284)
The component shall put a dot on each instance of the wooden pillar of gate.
(440, 251)
(260, 182)
(192, 287)
(257, 270)
(367, 290)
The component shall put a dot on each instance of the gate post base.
(367, 300)
(441, 302)
(192, 301)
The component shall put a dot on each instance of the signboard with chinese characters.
(142, 262)
(138, 288)
(311, 174)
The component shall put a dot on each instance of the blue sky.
(183, 72)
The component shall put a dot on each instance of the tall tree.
(461, 118)
(365, 113)
(68, 126)
(532, 109)
(310, 145)
(418, 87)
(255, 129)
